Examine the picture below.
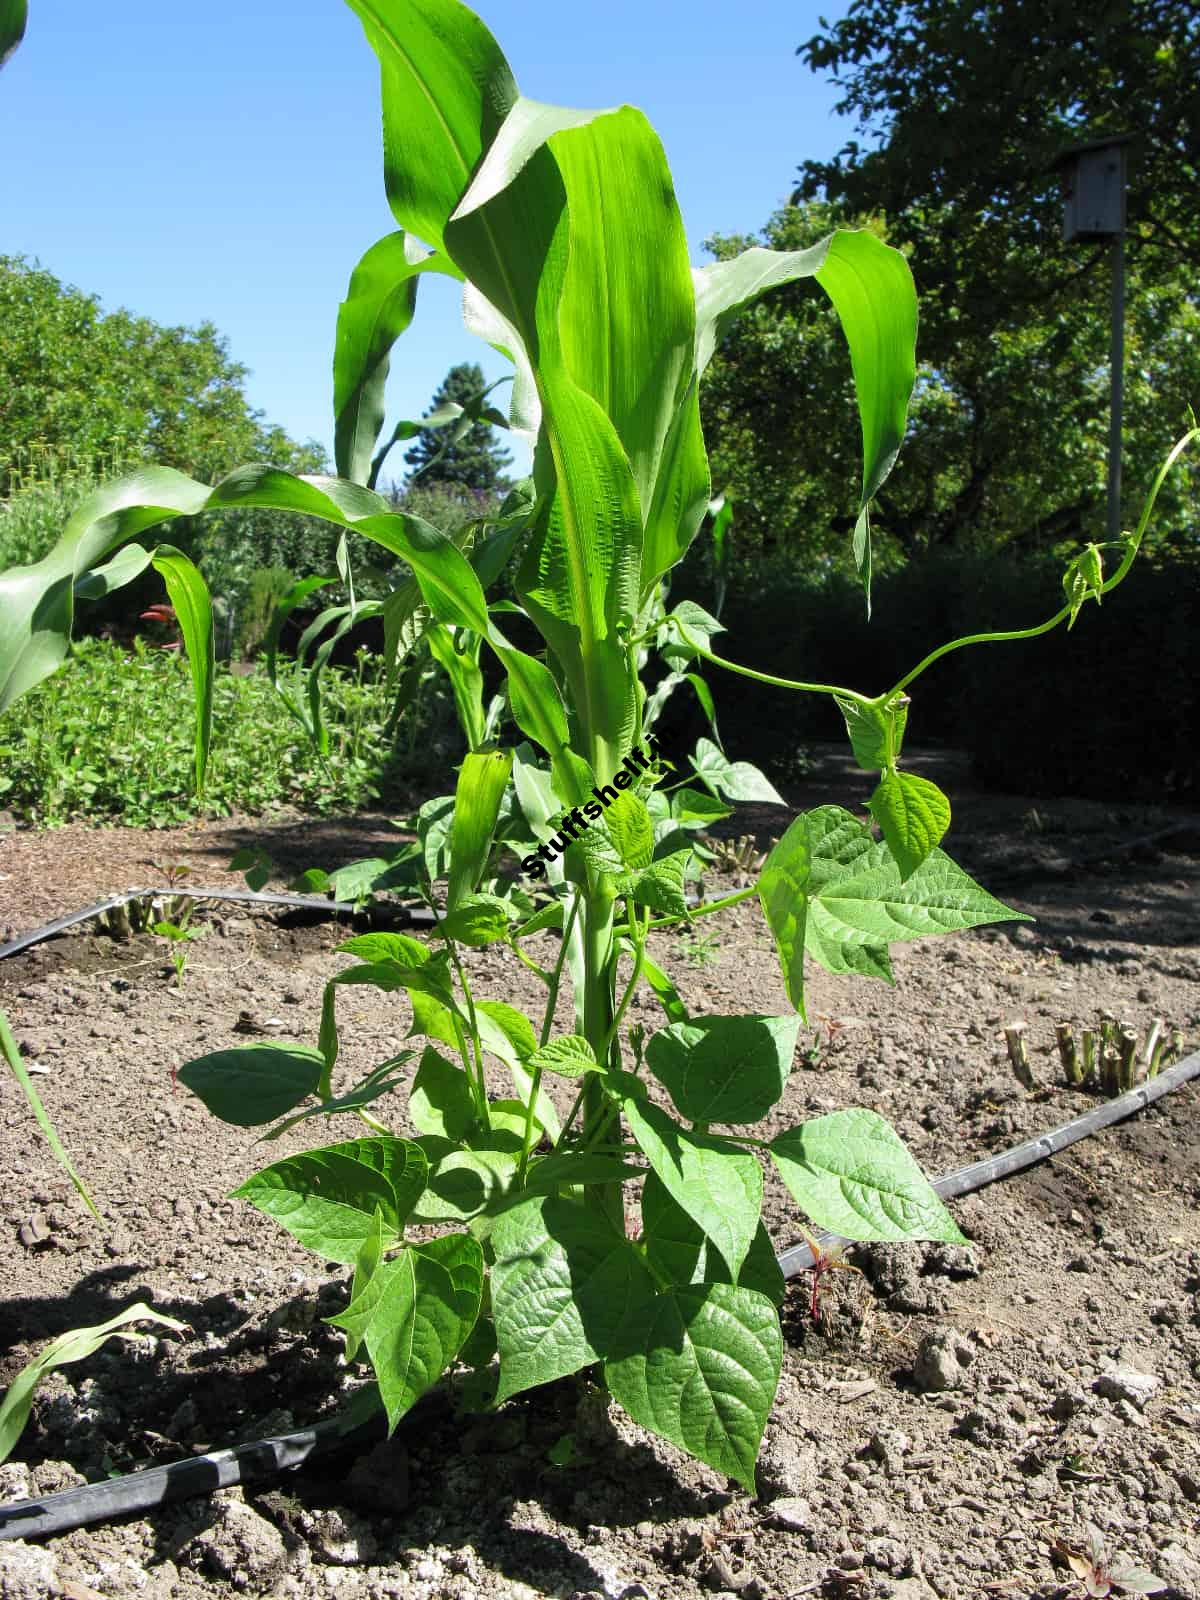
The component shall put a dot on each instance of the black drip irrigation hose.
(140, 1492)
(415, 916)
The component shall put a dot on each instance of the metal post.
(1118, 386)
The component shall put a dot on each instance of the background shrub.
(109, 738)
(1108, 710)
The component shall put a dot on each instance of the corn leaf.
(189, 595)
(378, 308)
(446, 90)
(872, 292)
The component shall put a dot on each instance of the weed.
(699, 950)
(1098, 1576)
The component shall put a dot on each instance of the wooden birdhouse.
(1093, 180)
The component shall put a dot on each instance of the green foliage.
(111, 739)
(1010, 428)
(93, 383)
(474, 462)
(45, 487)
(74, 1345)
(13, 17)
(564, 229)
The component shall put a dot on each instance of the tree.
(967, 106)
(96, 392)
(94, 384)
(1006, 443)
(474, 462)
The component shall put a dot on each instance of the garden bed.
(874, 1480)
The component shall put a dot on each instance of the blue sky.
(223, 163)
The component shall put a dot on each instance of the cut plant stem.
(1089, 1055)
(1127, 1055)
(1110, 1061)
(1014, 1038)
(1065, 1035)
(1155, 1041)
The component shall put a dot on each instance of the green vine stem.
(555, 981)
(1131, 543)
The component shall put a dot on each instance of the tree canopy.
(98, 385)
(960, 110)
(477, 461)
(1007, 435)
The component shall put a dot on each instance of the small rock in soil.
(237, 1544)
(1124, 1383)
(339, 1538)
(889, 1446)
(792, 1514)
(942, 1357)
(784, 1468)
(27, 1572)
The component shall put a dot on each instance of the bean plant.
(623, 1235)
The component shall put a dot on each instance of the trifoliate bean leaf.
(830, 890)
(735, 780)
(415, 1314)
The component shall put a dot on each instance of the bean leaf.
(414, 1315)
(255, 1083)
(913, 815)
(715, 1182)
(735, 780)
(564, 1282)
(329, 1198)
(831, 890)
(724, 1069)
(700, 1366)
(852, 1174)
(679, 1253)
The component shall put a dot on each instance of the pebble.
(1125, 1383)
(792, 1514)
(942, 1357)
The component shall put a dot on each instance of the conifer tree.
(476, 461)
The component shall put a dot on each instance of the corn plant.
(623, 1234)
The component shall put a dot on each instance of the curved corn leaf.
(124, 567)
(872, 292)
(37, 602)
(378, 308)
(189, 594)
(71, 1346)
(10, 1052)
(446, 90)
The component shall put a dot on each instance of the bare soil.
(949, 1416)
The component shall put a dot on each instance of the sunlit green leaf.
(852, 1175)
